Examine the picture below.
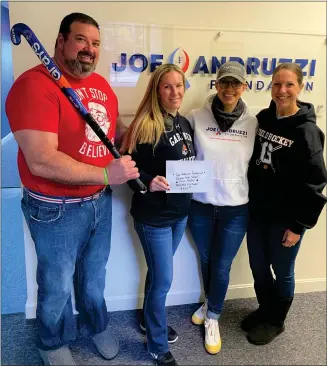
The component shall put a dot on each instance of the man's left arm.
(121, 129)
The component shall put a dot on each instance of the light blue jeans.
(159, 245)
(72, 243)
(218, 232)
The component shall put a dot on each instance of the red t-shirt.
(35, 102)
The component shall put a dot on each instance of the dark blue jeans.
(72, 243)
(264, 241)
(218, 232)
(159, 245)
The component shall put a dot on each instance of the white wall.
(295, 30)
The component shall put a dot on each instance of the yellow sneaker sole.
(213, 350)
(197, 321)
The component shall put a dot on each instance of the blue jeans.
(159, 245)
(264, 241)
(218, 232)
(72, 243)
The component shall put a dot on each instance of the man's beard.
(80, 68)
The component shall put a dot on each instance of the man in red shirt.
(67, 172)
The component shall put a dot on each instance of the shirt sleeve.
(309, 200)
(31, 105)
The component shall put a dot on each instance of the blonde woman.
(157, 134)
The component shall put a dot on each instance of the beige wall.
(294, 29)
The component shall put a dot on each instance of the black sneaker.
(166, 359)
(172, 334)
(252, 320)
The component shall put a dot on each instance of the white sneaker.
(212, 341)
(199, 316)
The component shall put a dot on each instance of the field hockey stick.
(22, 29)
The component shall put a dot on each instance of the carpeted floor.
(302, 343)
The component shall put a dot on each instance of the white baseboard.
(311, 285)
(117, 303)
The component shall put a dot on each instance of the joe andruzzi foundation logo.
(208, 65)
(180, 58)
(217, 133)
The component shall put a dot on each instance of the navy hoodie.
(160, 208)
(287, 172)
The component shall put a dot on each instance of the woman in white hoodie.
(224, 132)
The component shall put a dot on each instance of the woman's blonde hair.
(149, 122)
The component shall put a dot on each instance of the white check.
(189, 176)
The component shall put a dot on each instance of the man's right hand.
(121, 170)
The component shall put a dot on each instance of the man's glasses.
(224, 83)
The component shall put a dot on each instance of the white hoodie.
(230, 151)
